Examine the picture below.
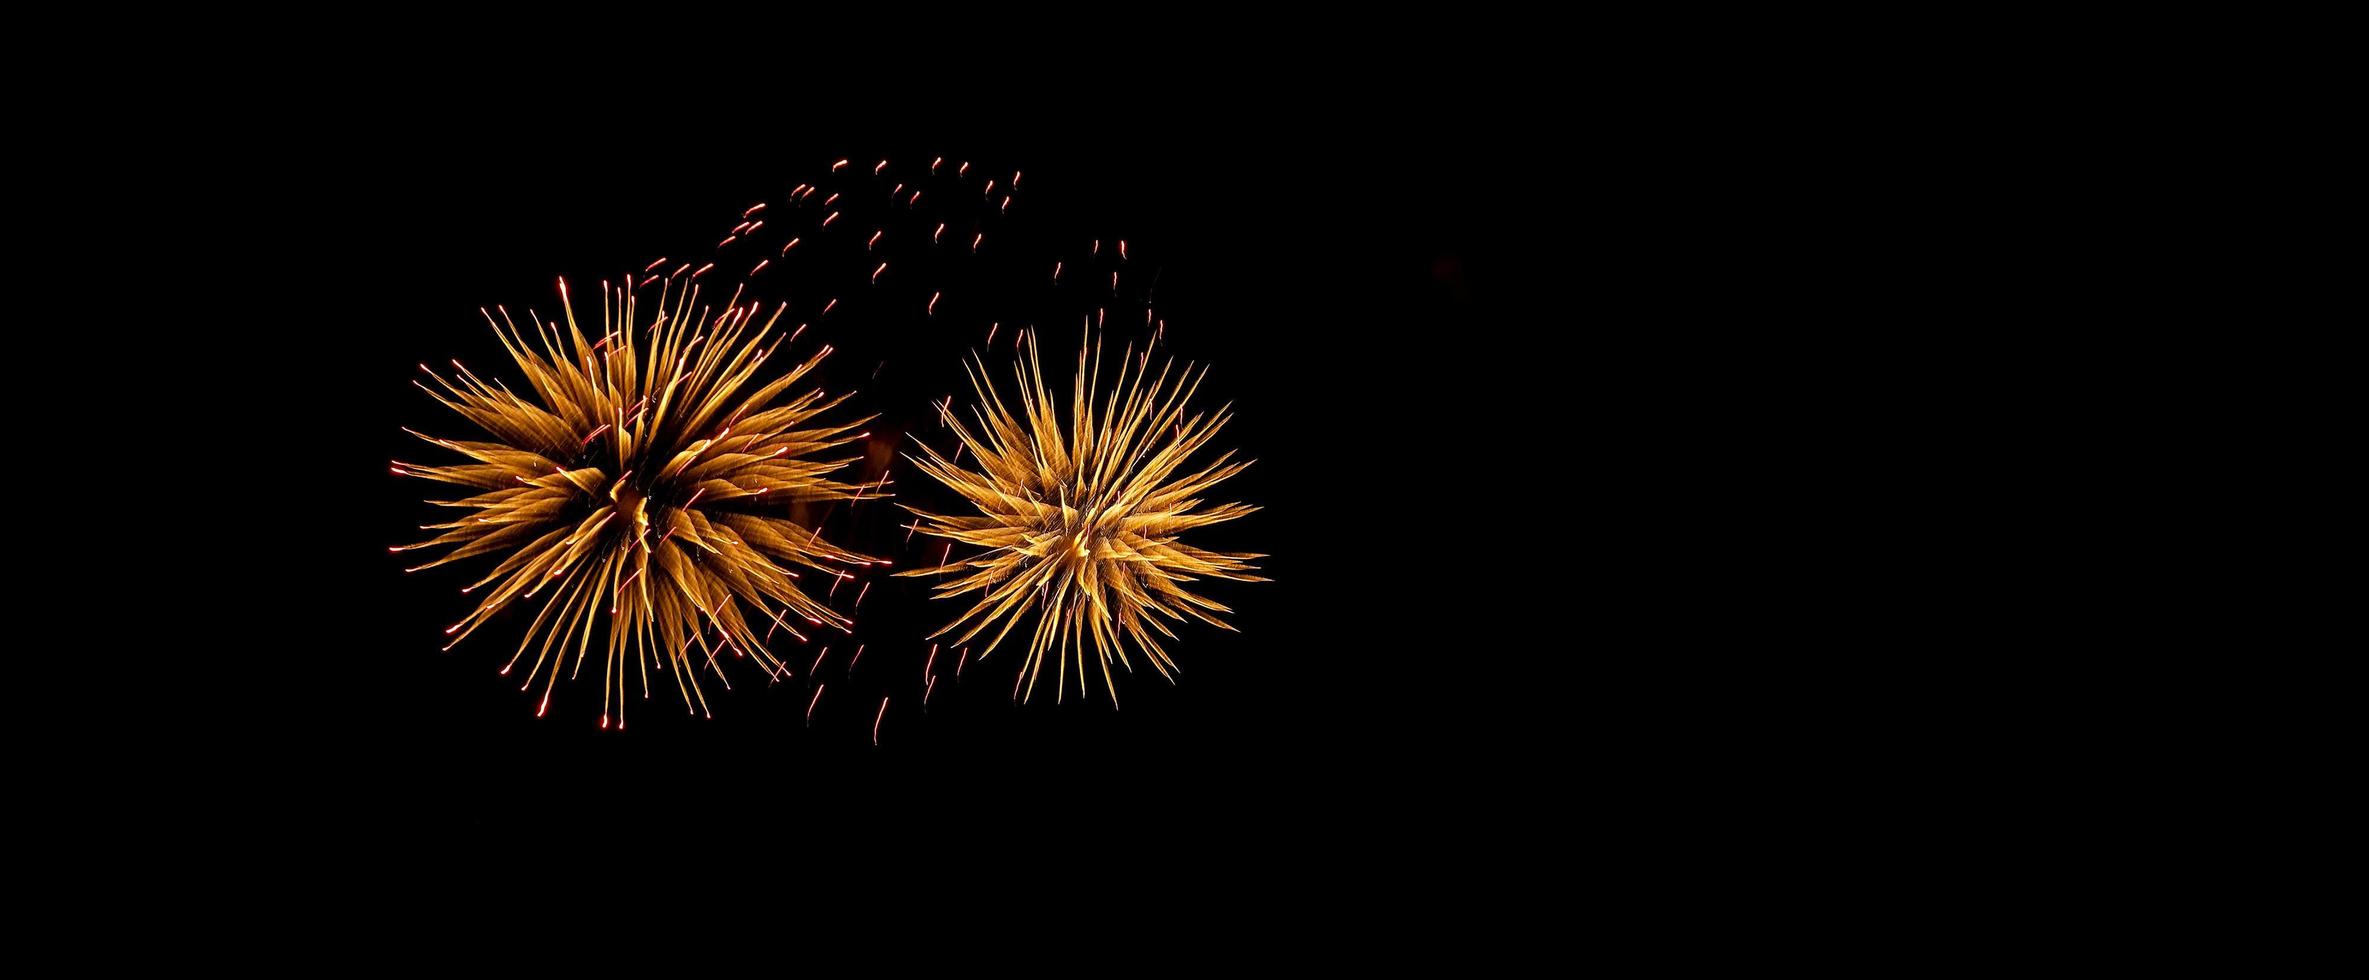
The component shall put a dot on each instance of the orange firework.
(648, 474)
(1081, 522)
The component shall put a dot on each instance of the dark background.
(1519, 586)
(1328, 266)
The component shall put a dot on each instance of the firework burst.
(649, 475)
(1081, 522)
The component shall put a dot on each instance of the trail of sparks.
(1081, 519)
(675, 545)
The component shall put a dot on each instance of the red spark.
(661, 261)
(876, 721)
(817, 699)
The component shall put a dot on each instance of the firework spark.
(1081, 522)
(647, 475)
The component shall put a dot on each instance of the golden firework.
(1080, 522)
(640, 478)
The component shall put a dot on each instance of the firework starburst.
(645, 482)
(1081, 521)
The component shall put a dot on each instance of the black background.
(1329, 268)
(1568, 568)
